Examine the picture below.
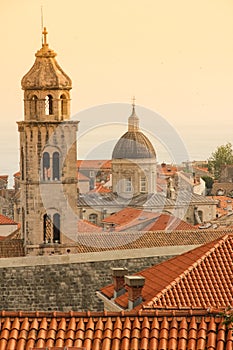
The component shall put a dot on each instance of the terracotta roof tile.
(100, 189)
(87, 226)
(4, 220)
(202, 277)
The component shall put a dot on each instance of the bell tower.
(48, 153)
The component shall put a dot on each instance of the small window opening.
(63, 105)
(49, 105)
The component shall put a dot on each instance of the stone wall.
(69, 282)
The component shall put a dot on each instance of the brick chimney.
(134, 285)
(118, 274)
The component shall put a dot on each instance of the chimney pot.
(135, 285)
(118, 274)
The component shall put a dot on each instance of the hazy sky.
(175, 56)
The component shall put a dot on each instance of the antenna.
(42, 23)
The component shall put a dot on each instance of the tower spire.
(133, 104)
(133, 121)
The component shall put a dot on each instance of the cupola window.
(48, 105)
(63, 105)
(143, 184)
(128, 184)
(34, 103)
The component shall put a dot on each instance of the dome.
(46, 72)
(133, 144)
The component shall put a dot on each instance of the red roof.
(168, 222)
(225, 205)
(17, 174)
(131, 217)
(187, 329)
(202, 277)
(128, 215)
(94, 164)
(4, 177)
(87, 226)
(4, 220)
(101, 189)
(167, 169)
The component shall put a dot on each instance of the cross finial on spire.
(133, 101)
(45, 36)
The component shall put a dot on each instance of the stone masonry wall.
(46, 285)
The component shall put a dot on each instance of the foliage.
(222, 156)
(208, 181)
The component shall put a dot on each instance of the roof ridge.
(195, 311)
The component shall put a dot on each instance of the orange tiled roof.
(127, 215)
(17, 174)
(4, 220)
(94, 164)
(4, 177)
(167, 169)
(87, 226)
(225, 203)
(130, 217)
(100, 189)
(202, 277)
(168, 223)
(187, 329)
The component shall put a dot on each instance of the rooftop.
(186, 329)
(202, 277)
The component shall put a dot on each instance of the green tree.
(222, 156)
(208, 181)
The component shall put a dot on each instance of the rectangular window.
(143, 184)
(128, 184)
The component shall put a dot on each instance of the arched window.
(48, 105)
(46, 166)
(34, 102)
(47, 228)
(63, 105)
(56, 166)
(56, 228)
(93, 218)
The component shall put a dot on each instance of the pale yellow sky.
(175, 56)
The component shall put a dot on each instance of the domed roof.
(46, 72)
(133, 144)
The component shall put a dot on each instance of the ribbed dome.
(46, 72)
(133, 144)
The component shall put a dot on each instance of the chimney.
(118, 274)
(134, 285)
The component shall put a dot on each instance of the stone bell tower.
(47, 154)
